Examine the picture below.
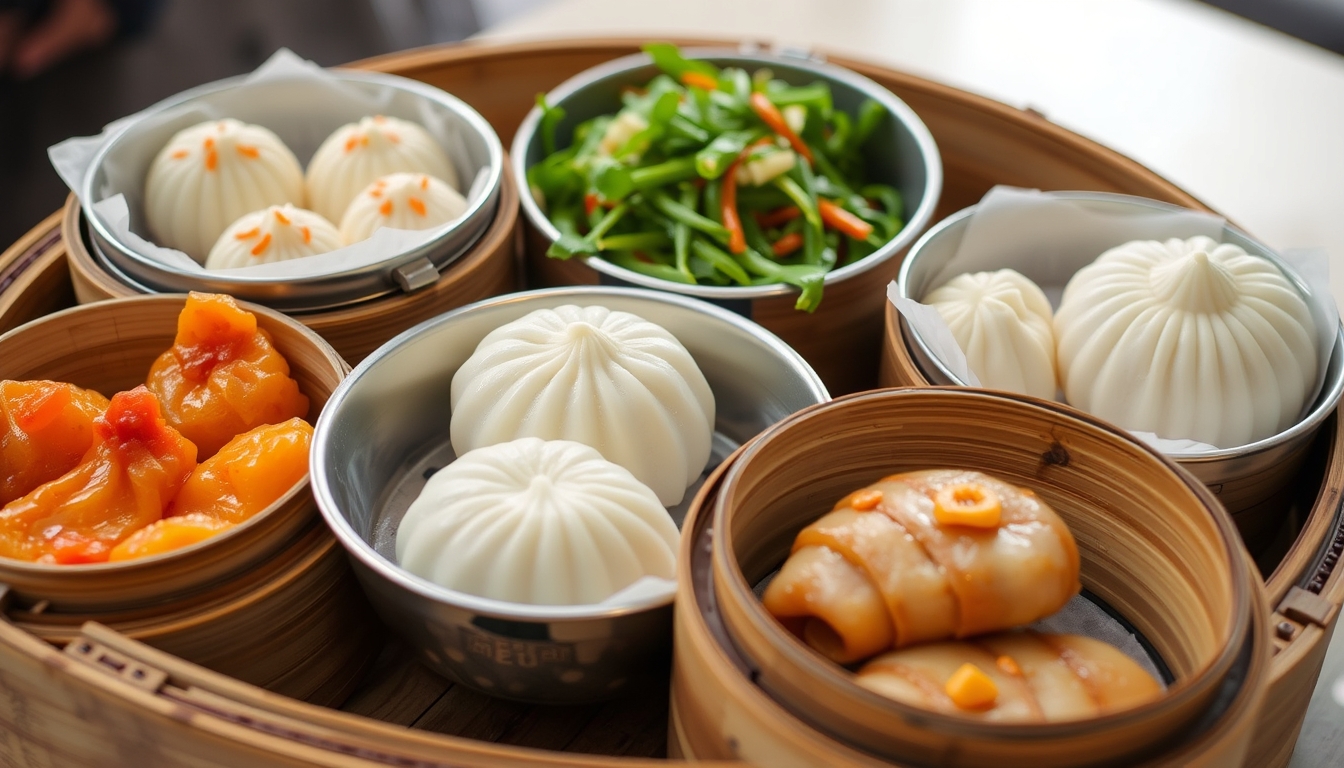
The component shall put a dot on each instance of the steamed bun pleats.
(1187, 339)
(277, 233)
(1002, 322)
(604, 378)
(537, 522)
(209, 175)
(401, 201)
(358, 154)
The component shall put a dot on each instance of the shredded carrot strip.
(385, 208)
(771, 116)
(842, 220)
(247, 151)
(211, 160)
(424, 183)
(280, 217)
(263, 245)
(737, 237)
(779, 216)
(351, 143)
(699, 80)
(787, 244)
(416, 205)
(249, 234)
(307, 234)
(179, 154)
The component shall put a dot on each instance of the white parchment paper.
(1048, 238)
(303, 104)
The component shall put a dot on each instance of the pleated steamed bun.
(209, 175)
(277, 233)
(604, 378)
(538, 522)
(1001, 320)
(358, 153)
(1187, 339)
(401, 201)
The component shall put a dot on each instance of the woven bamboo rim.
(1156, 547)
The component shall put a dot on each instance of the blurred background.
(67, 67)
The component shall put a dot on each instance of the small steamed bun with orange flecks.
(210, 174)
(277, 233)
(401, 201)
(357, 154)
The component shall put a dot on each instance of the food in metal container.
(401, 201)
(212, 173)
(135, 466)
(248, 474)
(718, 177)
(604, 378)
(1187, 339)
(222, 376)
(277, 233)
(539, 522)
(47, 428)
(1002, 321)
(923, 556)
(1013, 677)
(357, 154)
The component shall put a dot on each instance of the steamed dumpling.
(278, 233)
(603, 378)
(358, 153)
(1187, 339)
(401, 201)
(209, 175)
(1001, 320)
(531, 521)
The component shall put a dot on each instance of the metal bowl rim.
(495, 148)
(393, 574)
(1326, 400)
(904, 115)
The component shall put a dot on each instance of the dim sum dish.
(934, 615)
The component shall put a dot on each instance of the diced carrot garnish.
(247, 151)
(249, 234)
(261, 247)
(699, 80)
(969, 688)
(416, 205)
(969, 504)
(307, 234)
(280, 217)
(1008, 666)
(179, 154)
(385, 208)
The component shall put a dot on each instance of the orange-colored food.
(46, 427)
(969, 688)
(248, 474)
(222, 376)
(884, 569)
(969, 504)
(1052, 678)
(124, 482)
(167, 535)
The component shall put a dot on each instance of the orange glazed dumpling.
(248, 474)
(47, 428)
(166, 535)
(222, 376)
(135, 467)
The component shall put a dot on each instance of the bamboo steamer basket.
(179, 714)
(33, 277)
(109, 347)
(487, 269)
(1155, 546)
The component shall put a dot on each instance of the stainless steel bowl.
(901, 152)
(1237, 475)
(260, 103)
(387, 425)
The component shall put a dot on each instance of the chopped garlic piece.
(621, 130)
(761, 170)
(795, 116)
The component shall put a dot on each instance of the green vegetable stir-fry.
(717, 177)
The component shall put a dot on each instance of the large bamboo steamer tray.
(1155, 546)
(33, 279)
(718, 711)
(110, 347)
(488, 268)
(982, 142)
